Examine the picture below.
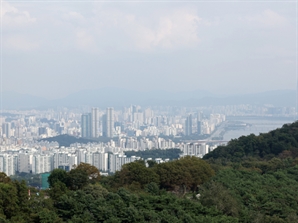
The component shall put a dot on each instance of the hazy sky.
(53, 49)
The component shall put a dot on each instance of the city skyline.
(38, 141)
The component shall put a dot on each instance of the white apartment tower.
(108, 123)
(7, 164)
(6, 129)
(24, 162)
(94, 122)
(100, 161)
(41, 164)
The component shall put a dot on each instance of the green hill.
(67, 140)
(252, 179)
(282, 141)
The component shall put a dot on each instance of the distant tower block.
(86, 125)
(94, 122)
(108, 123)
(188, 125)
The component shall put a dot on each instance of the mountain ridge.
(105, 97)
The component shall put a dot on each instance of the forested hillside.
(265, 146)
(252, 179)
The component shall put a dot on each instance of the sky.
(54, 48)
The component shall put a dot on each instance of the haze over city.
(149, 111)
(54, 49)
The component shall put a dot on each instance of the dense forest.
(252, 179)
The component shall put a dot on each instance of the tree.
(92, 172)
(8, 200)
(96, 190)
(77, 179)
(136, 172)
(4, 178)
(215, 194)
(58, 175)
(47, 216)
(186, 173)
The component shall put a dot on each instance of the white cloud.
(73, 15)
(176, 29)
(84, 40)
(13, 17)
(15, 26)
(19, 43)
(269, 19)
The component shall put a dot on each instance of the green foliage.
(92, 172)
(57, 190)
(264, 146)
(184, 174)
(256, 180)
(215, 194)
(77, 179)
(124, 206)
(8, 200)
(33, 180)
(135, 173)
(4, 178)
(269, 197)
(180, 175)
(47, 216)
(58, 175)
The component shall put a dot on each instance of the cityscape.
(28, 137)
(149, 111)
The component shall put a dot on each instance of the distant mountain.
(67, 140)
(105, 97)
(14, 100)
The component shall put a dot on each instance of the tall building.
(108, 123)
(24, 162)
(100, 161)
(19, 132)
(199, 128)
(200, 116)
(86, 125)
(94, 122)
(188, 125)
(7, 164)
(6, 129)
(41, 164)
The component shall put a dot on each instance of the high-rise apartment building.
(188, 125)
(100, 160)
(94, 122)
(7, 164)
(200, 116)
(86, 125)
(24, 162)
(6, 129)
(108, 123)
(199, 127)
(41, 164)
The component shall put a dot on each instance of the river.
(255, 125)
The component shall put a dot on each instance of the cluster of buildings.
(134, 122)
(127, 122)
(129, 128)
(45, 157)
